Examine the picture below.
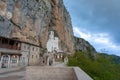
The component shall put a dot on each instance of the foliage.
(102, 68)
(44, 50)
(37, 0)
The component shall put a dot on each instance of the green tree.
(102, 68)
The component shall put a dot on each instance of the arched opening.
(5, 61)
(14, 60)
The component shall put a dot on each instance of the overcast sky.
(97, 21)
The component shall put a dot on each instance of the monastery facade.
(15, 53)
(53, 48)
(52, 43)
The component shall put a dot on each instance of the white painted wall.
(52, 43)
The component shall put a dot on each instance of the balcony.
(9, 44)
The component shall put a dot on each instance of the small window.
(37, 49)
(32, 56)
(16, 44)
(11, 42)
(14, 59)
(4, 41)
(33, 48)
(28, 47)
(24, 47)
(0, 38)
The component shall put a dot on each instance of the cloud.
(101, 41)
(96, 15)
(98, 21)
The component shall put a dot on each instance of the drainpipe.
(29, 55)
(0, 59)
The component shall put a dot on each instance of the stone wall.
(34, 57)
(30, 54)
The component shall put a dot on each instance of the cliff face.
(23, 19)
(84, 46)
(31, 21)
(61, 24)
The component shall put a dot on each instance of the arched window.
(14, 59)
(5, 59)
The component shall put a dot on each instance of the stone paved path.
(20, 74)
(59, 64)
(15, 75)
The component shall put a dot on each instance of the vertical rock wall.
(31, 21)
(60, 23)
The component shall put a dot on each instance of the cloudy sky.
(97, 21)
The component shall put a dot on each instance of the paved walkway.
(6, 70)
(12, 74)
(59, 64)
(19, 73)
(81, 75)
(50, 73)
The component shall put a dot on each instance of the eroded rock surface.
(31, 21)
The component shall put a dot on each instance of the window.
(37, 49)
(4, 41)
(0, 40)
(16, 44)
(23, 58)
(28, 47)
(33, 48)
(5, 59)
(24, 47)
(14, 59)
(11, 42)
(32, 56)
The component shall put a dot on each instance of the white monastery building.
(52, 43)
